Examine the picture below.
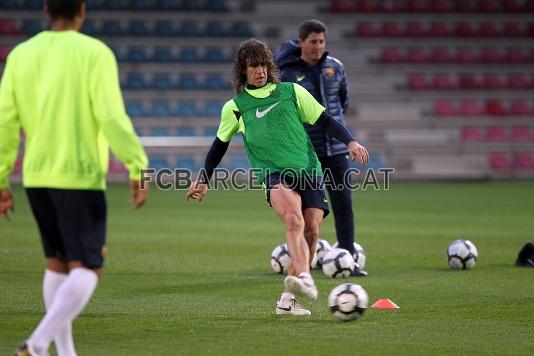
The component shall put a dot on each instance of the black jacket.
(330, 90)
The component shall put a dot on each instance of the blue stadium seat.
(158, 162)
(134, 108)
(167, 5)
(189, 28)
(9, 4)
(240, 29)
(161, 108)
(138, 28)
(217, 6)
(239, 161)
(190, 5)
(89, 28)
(34, 4)
(214, 55)
(94, 4)
(135, 81)
(165, 28)
(32, 27)
(215, 81)
(213, 108)
(142, 4)
(111, 28)
(210, 131)
(215, 29)
(161, 81)
(113, 4)
(188, 81)
(162, 55)
(160, 131)
(187, 162)
(186, 108)
(136, 54)
(186, 131)
(189, 55)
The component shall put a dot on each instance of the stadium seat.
(165, 28)
(137, 28)
(488, 29)
(494, 107)
(464, 29)
(162, 55)
(512, 6)
(340, 6)
(417, 82)
(415, 29)
(440, 55)
(365, 29)
(89, 28)
(391, 55)
(500, 161)
(186, 108)
(111, 28)
(185, 131)
(440, 6)
(391, 29)
(530, 29)
(439, 29)
(216, 6)
(517, 81)
(161, 108)
(470, 133)
(161, 81)
(4, 52)
(31, 26)
(215, 28)
(210, 131)
(515, 55)
(524, 160)
(134, 108)
(513, 29)
(391, 6)
(489, 5)
(9, 4)
(496, 133)
(188, 81)
(168, 5)
(8, 27)
(521, 134)
(416, 5)
(466, 55)
(214, 55)
(160, 131)
(142, 4)
(466, 6)
(215, 81)
(442, 82)
(186, 162)
(490, 55)
(492, 81)
(189, 55)
(240, 29)
(239, 161)
(212, 108)
(470, 108)
(416, 55)
(136, 54)
(467, 81)
(157, 162)
(135, 81)
(518, 108)
(444, 108)
(189, 28)
(192, 5)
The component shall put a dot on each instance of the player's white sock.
(63, 339)
(70, 299)
(287, 296)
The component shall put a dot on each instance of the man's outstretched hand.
(357, 151)
(7, 205)
(138, 194)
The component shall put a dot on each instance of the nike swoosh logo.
(300, 78)
(260, 114)
(286, 309)
(326, 201)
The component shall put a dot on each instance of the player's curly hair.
(253, 52)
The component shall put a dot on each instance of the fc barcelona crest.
(329, 71)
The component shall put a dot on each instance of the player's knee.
(312, 233)
(293, 221)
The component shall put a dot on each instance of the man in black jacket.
(304, 61)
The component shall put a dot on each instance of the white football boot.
(290, 307)
(302, 286)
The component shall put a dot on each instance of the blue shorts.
(310, 189)
(72, 223)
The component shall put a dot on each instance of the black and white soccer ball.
(321, 248)
(338, 263)
(348, 301)
(359, 254)
(462, 254)
(280, 259)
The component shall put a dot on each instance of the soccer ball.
(359, 254)
(348, 301)
(338, 263)
(321, 248)
(280, 259)
(462, 254)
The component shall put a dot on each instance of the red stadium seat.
(392, 6)
(442, 82)
(521, 134)
(490, 55)
(417, 82)
(492, 81)
(530, 29)
(391, 29)
(466, 55)
(524, 160)
(512, 6)
(488, 29)
(496, 133)
(391, 55)
(513, 29)
(416, 5)
(489, 5)
(415, 29)
(416, 55)
(470, 108)
(365, 29)
(500, 161)
(515, 55)
(466, 6)
(517, 81)
(340, 5)
(444, 108)
(365, 5)
(464, 29)
(440, 6)
(8, 27)
(495, 107)
(530, 56)
(4, 51)
(439, 29)
(529, 6)
(440, 55)
(470, 133)
(519, 108)
(467, 81)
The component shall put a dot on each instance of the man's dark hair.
(310, 26)
(253, 52)
(64, 9)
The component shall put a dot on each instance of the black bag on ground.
(526, 255)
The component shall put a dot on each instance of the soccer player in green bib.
(270, 115)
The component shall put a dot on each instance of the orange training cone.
(385, 304)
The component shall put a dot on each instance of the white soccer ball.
(338, 263)
(348, 301)
(321, 248)
(359, 254)
(462, 254)
(280, 259)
